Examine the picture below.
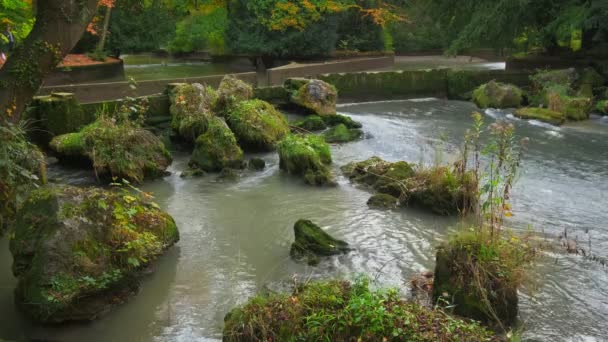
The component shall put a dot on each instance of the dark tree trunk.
(59, 25)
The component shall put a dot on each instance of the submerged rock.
(228, 175)
(192, 173)
(383, 201)
(78, 252)
(311, 242)
(311, 123)
(217, 148)
(541, 114)
(336, 119)
(230, 92)
(190, 109)
(257, 125)
(257, 164)
(317, 97)
(122, 150)
(307, 156)
(497, 95)
(342, 134)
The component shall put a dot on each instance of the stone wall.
(278, 75)
(86, 73)
(97, 92)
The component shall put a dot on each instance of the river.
(235, 237)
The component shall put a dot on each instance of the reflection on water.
(235, 237)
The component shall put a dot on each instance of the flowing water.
(235, 237)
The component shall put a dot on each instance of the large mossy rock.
(478, 283)
(343, 311)
(257, 125)
(122, 150)
(497, 95)
(540, 114)
(56, 114)
(342, 134)
(573, 108)
(191, 109)
(230, 92)
(307, 156)
(437, 189)
(217, 148)
(312, 242)
(317, 97)
(311, 123)
(78, 252)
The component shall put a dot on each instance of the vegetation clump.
(311, 123)
(342, 134)
(312, 242)
(314, 123)
(307, 156)
(79, 251)
(230, 92)
(317, 97)
(602, 107)
(336, 119)
(118, 148)
(257, 125)
(191, 109)
(344, 311)
(217, 148)
(497, 95)
(22, 168)
(540, 114)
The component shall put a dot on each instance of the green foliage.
(307, 156)
(22, 168)
(201, 31)
(19, 14)
(341, 311)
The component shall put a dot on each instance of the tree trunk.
(59, 26)
(104, 32)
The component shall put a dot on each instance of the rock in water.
(191, 109)
(311, 242)
(77, 252)
(230, 92)
(217, 148)
(497, 95)
(257, 164)
(541, 114)
(257, 125)
(307, 156)
(383, 201)
(342, 134)
(317, 97)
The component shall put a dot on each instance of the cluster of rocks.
(554, 97)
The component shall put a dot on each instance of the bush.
(341, 311)
(201, 31)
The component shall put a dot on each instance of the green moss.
(497, 95)
(333, 120)
(341, 311)
(75, 250)
(230, 92)
(602, 107)
(257, 125)
(311, 242)
(342, 134)
(383, 201)
(382, 176)
(541, 114)
(190, 109)
(573, 108)
(307, 156)
(311, 123)
(217, 148)
(71, 144)
(316, 96)
(545, 79)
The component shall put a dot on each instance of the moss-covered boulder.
(602, 107)
(312, 242)
(383, 201)
(122, 150)
(336, 119)
(497, 95)
(311, 123)
(573, 108)
(77, 252)
(307, 156)
(342, 134)
(343, 311)
(56, 114)
(540, 114)
(217, 148)
(437, 189)
(257, 125)
(317, 97)
(257, 164)
(191, 109)
(230, 92)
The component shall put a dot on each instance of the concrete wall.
(97, 92)
(278, 75)
(86, 73)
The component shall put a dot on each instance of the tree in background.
(19, 14)
(546, 23)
